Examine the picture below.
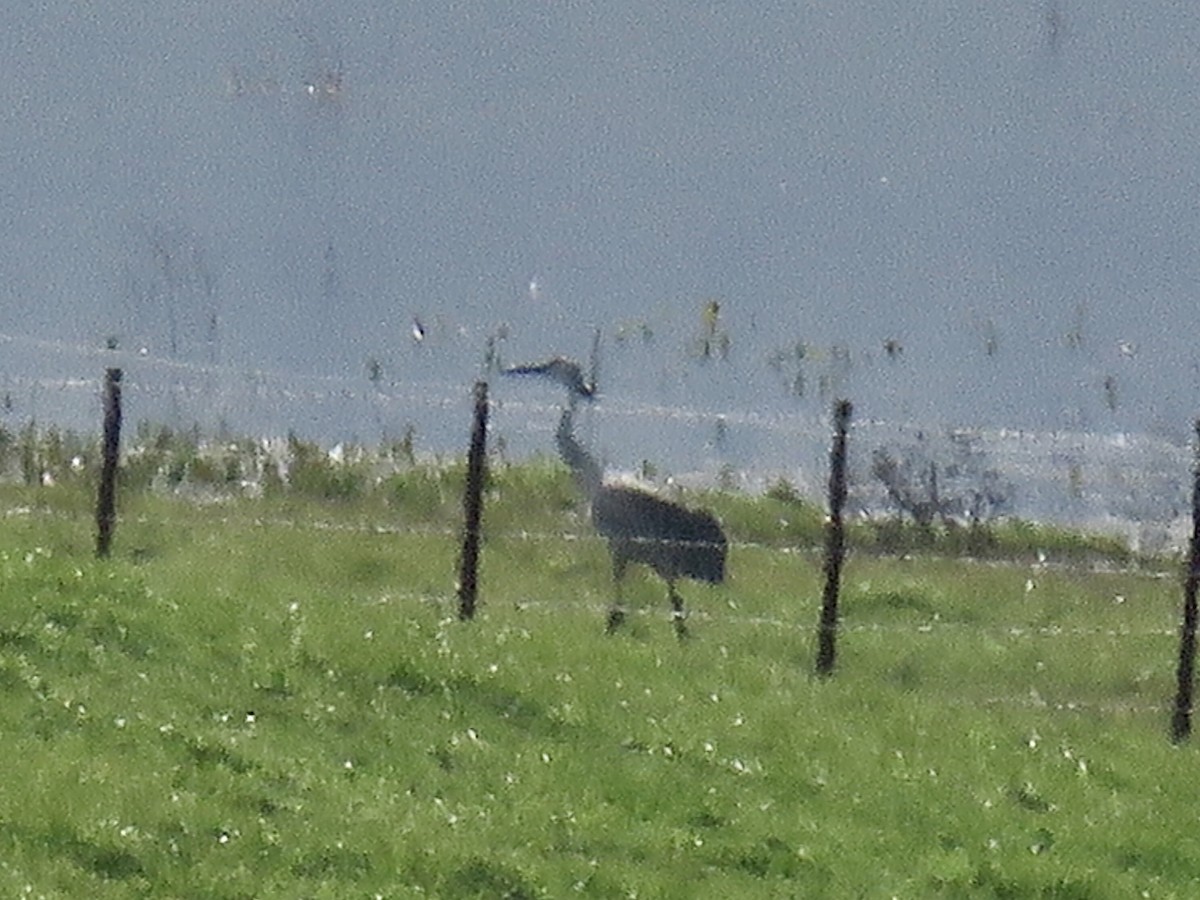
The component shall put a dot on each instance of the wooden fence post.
(1181, 719)
(473, 506)
(106, 500)
(835, 540)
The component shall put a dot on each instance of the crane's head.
(564, 371)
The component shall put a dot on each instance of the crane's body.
(674, 541)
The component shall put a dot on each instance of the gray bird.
(674, 541)
(565, 371)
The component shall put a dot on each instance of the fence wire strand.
(193, 383)
(730, 615)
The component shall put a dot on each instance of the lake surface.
(666, 413)
(976, 222)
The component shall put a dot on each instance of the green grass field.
(275, 698)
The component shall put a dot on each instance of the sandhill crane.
(674, 541)
(640, 528)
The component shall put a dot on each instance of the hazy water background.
(959, 218)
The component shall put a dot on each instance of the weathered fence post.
(106, 500)
(1181, 720)
(835, 540)
(473, 506)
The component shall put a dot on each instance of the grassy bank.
(273, 698)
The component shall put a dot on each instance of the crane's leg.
(677, 612)
(616, 612)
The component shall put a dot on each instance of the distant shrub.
(546, 485)
(423, 494)
(767, 519)
(784, 491)
(312, 473)
(213, 469)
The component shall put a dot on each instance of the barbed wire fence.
(591, 599)
(1029, 454)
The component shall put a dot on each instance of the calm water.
(741, 416)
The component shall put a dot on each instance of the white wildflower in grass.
(451, 818)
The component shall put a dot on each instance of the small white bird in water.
(565, 371)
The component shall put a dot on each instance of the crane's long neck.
(587, 472)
